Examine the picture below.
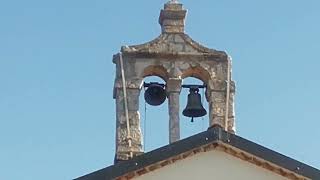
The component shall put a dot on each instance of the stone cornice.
(164, 43)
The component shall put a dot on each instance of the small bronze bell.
(194, 106)
(155, 94)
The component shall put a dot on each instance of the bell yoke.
(156, 94)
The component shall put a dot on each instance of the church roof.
(213, 139)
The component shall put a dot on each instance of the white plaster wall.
(211, 165)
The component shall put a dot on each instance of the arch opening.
(156, 70)
(154, 119)
(188, 128)
(198, 73)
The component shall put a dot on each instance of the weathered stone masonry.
(172, 56)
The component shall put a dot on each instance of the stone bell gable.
(172, 56)
(217, 153)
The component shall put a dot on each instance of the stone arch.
(197, 72)
(156, 70)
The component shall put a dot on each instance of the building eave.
(214, 138)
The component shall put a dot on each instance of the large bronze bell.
(155, 94)
(194, 106)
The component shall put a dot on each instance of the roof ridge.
(205, 141)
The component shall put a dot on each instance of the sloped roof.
(172, 44)
(171, 39)
(214, 138)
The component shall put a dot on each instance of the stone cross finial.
(173, 1)
(172, 17)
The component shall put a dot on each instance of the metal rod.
(227, 95)
(145, 125)
(126, 105)
(148, 84)
(193, 86)
(183, 86)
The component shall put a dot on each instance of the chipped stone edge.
(148, 47)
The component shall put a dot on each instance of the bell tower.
(172, 56)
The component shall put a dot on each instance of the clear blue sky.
(57, 115)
